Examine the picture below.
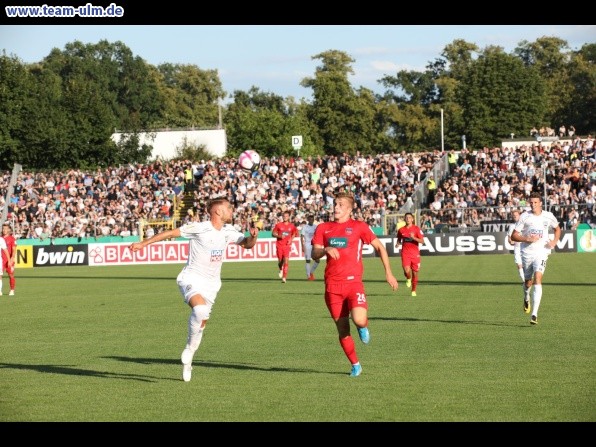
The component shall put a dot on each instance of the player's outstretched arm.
(136, 246)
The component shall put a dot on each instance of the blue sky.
(276, 58)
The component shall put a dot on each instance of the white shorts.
(191, 284)
(308, 252)
(532, 265)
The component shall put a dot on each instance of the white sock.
(526, 292)
(313, 266)
(195, 331)
(307, 269)
(536, 298)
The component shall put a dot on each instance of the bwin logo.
(68, 257)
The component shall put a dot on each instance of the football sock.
(414, 282)
(347, 344)
(313, 266)
(536, 298)
(285, 271)
(307, 268)
(526, 291)
(195, 331)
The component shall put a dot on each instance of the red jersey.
(409, 247)
(349, 238)
(11, 245)
(287, 230)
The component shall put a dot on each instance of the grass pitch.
(104, 343)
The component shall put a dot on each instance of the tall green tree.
(15, 85)
(414, 100)
(344, 117)
(47, 137)
(191, 96)
(499, 96)
(127, 83)
(550, 56)
(580, 111)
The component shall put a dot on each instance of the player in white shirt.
(200, 279)
(516, 245)
(532, 231)
(306, 234)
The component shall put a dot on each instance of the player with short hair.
(306, 234)
(200, 279)
(341, 240)
(516, 247)
(532, 231)
(285, 231)
(409, 237)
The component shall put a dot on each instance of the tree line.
(60, 113)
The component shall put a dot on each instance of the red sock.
(285, 270)
(347, 344)
(414, 283)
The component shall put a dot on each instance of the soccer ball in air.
(249, 161)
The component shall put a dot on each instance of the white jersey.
(308, 231)
(207, 249)
(530, 224)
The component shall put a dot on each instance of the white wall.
(166, 143)
(544, 142)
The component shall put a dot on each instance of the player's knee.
(201, 312)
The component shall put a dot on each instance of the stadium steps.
(184, 205)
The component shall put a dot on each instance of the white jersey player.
(200, 279)
(532, 230)
(306, 234)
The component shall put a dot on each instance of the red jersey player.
(342, 241)
(285, 232)
(8, 257)
(409, 236)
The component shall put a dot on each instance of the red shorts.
(283, 251)
(411, 261)
(341, 298)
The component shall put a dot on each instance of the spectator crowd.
(483, 184)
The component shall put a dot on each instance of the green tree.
(580, 111)
(414, 99)
(15, 85)
(550, 56)
(344, 118)
(266, 122)
(43, 136)
(499, 96)
(127, 83)
(191, 96)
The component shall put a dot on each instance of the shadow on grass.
(212, 364)
(430, 320)
(321, 282)
(66, 370)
